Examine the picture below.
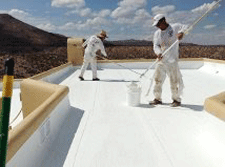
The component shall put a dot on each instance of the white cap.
(157, 18)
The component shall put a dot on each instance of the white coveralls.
(169, 63)
(92, 44)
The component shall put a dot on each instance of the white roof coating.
(103, 131)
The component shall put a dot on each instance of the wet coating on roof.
(102, 130)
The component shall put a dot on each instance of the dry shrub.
(130, 52)
(138, 52)
(29, 64)
(212, 52)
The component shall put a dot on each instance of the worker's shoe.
(95, 79)
(175, 104)
(155, 102)
(81, 78)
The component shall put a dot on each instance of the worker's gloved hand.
(98, 52)
(180, 35)
(159, 57)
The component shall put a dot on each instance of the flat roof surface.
(106, 132)
(102, 130)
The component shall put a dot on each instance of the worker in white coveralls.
(93, 47)
(164, 37)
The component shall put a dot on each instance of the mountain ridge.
(16, 35)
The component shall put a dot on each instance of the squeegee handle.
(121, 65)
(143, 74)
(157, 59)
(199, 19)
(5, 113)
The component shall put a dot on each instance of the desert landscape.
(35, 51)
(146, 52)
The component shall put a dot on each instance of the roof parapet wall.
(75, 51)
(45, 97)
(215, 105)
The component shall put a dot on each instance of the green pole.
(4, 116)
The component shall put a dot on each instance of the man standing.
(164, 37)
(93, 47)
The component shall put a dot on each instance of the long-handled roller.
(121, 65)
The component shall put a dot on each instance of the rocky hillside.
(17, 36)
(33, 49)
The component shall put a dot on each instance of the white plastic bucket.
(133, 94)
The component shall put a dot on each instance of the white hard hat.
(157, 18)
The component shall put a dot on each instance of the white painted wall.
(35, 150)
(60, 75)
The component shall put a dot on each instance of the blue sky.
(122, 19)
